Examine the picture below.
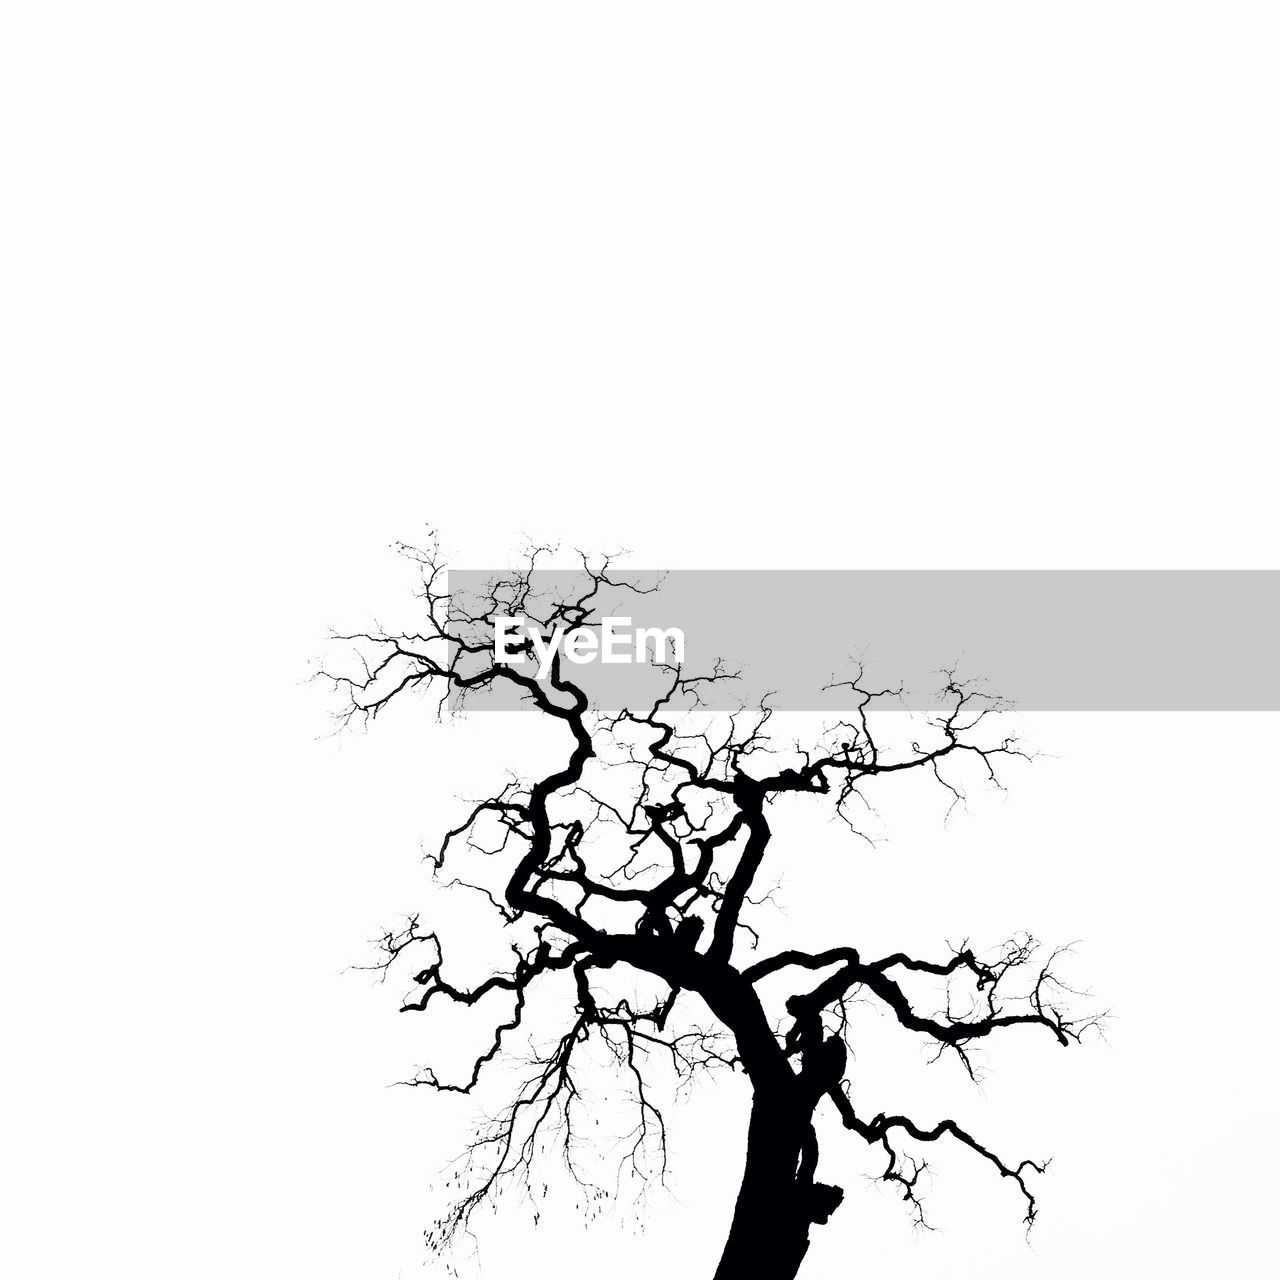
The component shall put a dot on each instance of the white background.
(948, 285)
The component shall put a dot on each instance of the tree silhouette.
(637, 853)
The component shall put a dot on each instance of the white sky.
(989, 285)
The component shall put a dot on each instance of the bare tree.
(638, 851)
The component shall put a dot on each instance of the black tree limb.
(654, 879)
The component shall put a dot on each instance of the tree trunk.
(770, 1232)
